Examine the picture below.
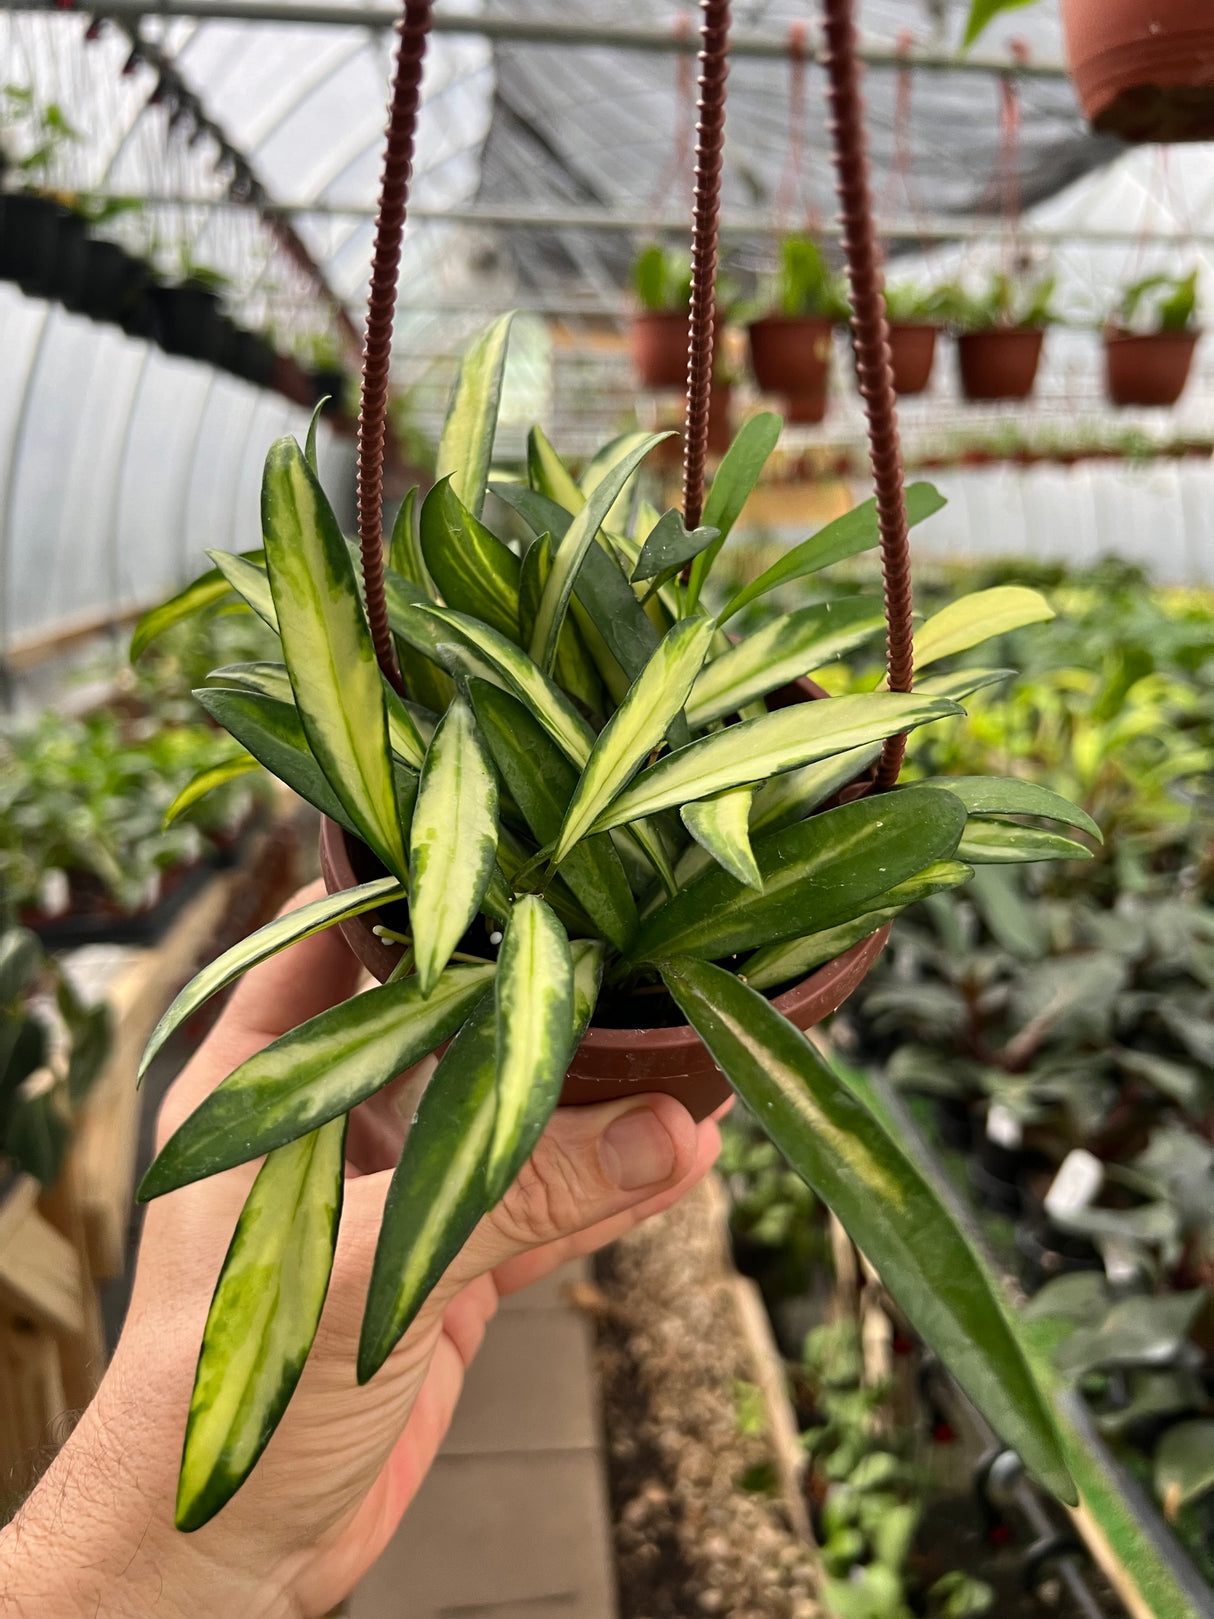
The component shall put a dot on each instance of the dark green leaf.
(816, 874)
(736, 477)
(475, 572)
(438, 1191)
(1184, 1465)
(541, 781)
(1005, 795)
(21, 961)
(889, 1208)
(669, 545)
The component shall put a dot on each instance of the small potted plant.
(597, 847)
(1150, 341)
(916, 316)
(1001, 331)
(658, 334)
(791, 345)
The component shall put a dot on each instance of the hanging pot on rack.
(659, 340)
(1000, 364)
(912, 347)
(790, 355)
(1143, 69)
(1147, 368)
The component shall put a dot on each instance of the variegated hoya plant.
(584, 757)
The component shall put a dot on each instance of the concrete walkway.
(513, 1521)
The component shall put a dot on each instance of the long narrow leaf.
(206, 781)
(782, 651)
(549, 475)
(541, 781)
(669, 545)
(326, 644)
(795, 794)
(575, 670)
(201, 593)
(962, 683)
(438, 1191)
(273, 734)
(250, 581)
(758, 748)
(1005, 795)
(636, 727)
(736, 477)
(534, 999)
(572, 549)
(453, 841)
(308, 1076)
(975, 618)
(475, 572)
(781, 963)
(890, 1209)
(267, 942)
(424, 681)
(991, 841)
(270, 679)
(465, 449)
(816, 874)
(262, 1319)
(721, 826)
(847, 536)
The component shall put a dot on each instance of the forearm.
(95, 1540)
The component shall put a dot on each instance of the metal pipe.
(937, 229)
(547, 31)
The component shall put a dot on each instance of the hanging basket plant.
(1150, 343)
(658, 333)
(791, 345)
(1000, 335)
(605, 852)
(915, 320)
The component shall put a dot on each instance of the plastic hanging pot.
(114, 282)
(1147, 368)
(1000, 364)
(188, 322)
(912, 346)
(29, 233)
(659, 340)
(808, 408)
(790, 355)
(628, 1058)
(1143, 69)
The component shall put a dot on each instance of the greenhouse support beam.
(938, 229)
(545, 31)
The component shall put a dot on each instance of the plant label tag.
(1076, 1184)
(1003, 1127)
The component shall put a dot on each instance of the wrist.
(92, 1541)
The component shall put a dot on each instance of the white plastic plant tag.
(1075, 1186)
(1003, 1127)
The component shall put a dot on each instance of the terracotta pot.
(659, 343)
(912, 347)
(1143, 69)
(611, 1063)
(790, 355)
(1000, 364)
(1147, 368)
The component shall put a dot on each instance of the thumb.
(591, 1164)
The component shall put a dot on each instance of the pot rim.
(679, 1038)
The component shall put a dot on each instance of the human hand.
(97, 1538)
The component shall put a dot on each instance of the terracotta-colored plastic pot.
(1000, 364)
(912, 346)
(1143, 69)
(610, 1063)
(659, 341)
(1149, 368)
(790, 354)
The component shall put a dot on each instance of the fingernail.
(636, 1151)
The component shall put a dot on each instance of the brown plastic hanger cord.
(873, 363)
(710, 141)
(381, 307)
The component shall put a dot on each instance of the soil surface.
(690, 1538)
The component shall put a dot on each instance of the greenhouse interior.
(607, 809)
